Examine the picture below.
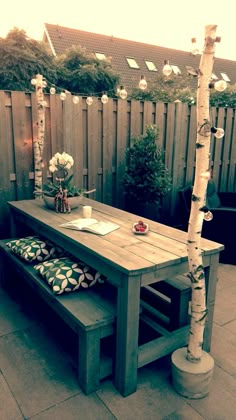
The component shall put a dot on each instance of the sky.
(166, 23)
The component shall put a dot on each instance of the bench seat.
(90, 313)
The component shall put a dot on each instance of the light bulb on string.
(52, 90)
(33, 82)
(218, 132)
(142, 83)
(75, 99)
(62, 96)
(220, 85)
(89, 100)
(194, 50)
(208, 216)
(44, 83)
(104, 98)
(167, 70)
(123, 93)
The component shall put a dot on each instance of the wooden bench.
(90, 314)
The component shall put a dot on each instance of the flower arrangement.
(61, 187)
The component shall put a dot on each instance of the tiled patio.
(38, 379)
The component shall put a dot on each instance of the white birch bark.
(197, 275)
(39, 142)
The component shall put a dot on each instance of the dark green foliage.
(21, 59)
(146, 178)
(80, 72)
(77, 71)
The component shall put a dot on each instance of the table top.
(124, 251)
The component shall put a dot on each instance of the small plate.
(140, 232)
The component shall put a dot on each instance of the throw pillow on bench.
(34, 249)
(67, 275)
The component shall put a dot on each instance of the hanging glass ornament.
(33, 82)
(208, 216)
(44, 83)
(218, 132)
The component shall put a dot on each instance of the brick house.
(131, 59)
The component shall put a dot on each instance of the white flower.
(52, 168)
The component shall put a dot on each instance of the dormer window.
(225, 77)
(150, 65)
(100, 56)
(132, 63)
(175, 69)
(214, 77)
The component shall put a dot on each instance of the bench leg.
(89, 360)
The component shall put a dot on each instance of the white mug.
(87, 212)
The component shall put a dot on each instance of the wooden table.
(128, 261)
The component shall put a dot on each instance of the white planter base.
(189, 379)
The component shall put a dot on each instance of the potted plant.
(60, 193)
(146, 178)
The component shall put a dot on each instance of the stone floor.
(38, 378)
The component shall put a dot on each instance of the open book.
(91, 225)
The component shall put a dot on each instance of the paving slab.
(37, 371)
(9, 409)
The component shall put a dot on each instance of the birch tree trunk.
(197, 275)
(39, 142)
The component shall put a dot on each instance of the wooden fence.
(97, 137)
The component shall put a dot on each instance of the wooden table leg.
(126, 365)
(211, 282)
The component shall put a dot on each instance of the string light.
(104, 98)
(123, 93)
(63, 96)
(208, 216)
(75, 99)
(167, 69)
(142, 83)
(33, 82)
(52, 90)
(220, 85)
(218, 132)
(89, 100)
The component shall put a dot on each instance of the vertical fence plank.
(122, 142)
(232, 162)
(191, 148)
(218, 121)
(22, 147)
(226, 150)
(93, 145)
(108, 148)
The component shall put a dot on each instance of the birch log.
(39, 142)
(197, 275)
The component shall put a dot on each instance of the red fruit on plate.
(142, 229)
(140, 222)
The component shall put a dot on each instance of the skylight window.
(150, 65)
(100, 56)
(225, 77)
(132, 63)
(214, 77)
(175, 69)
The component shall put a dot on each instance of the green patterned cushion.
(66, 275)
(34, 249)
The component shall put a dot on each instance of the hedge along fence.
(97, 137)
